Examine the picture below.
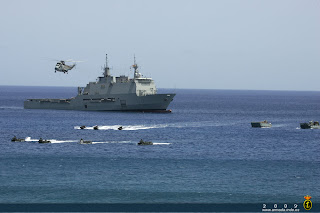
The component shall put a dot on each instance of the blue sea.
(205, 150)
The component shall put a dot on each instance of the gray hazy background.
(272, 45)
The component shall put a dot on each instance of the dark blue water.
(206, 150)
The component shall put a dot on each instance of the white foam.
(29, 139)
(161, 143)
(62, 141)
(111, 142)
(130, 128)
(10, 107)
(78, 127)
(279, 125)
(156, 126)
(139, 127)
(195, 124)
(114, 127)
(99, 142)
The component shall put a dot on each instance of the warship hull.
(121, 102)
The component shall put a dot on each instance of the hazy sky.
(212, 44)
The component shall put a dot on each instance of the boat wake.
(278, 125)
(129, 128)
(10, 107)
(161, 143)
(66, 141)
(153, 126)
(111, 142)
(29, 139)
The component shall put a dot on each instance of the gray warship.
(111, 93)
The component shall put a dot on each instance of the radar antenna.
(135, 65)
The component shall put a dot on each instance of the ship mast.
(106, 68)
(135, 67)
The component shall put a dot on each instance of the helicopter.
(61, 66)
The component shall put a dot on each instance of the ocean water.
(205, 150)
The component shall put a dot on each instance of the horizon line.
(284, 90)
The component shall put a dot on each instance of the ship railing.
(100, 99)
(51, 100)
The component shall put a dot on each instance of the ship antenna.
(135, 67)
(106, 60)
(106, 68)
